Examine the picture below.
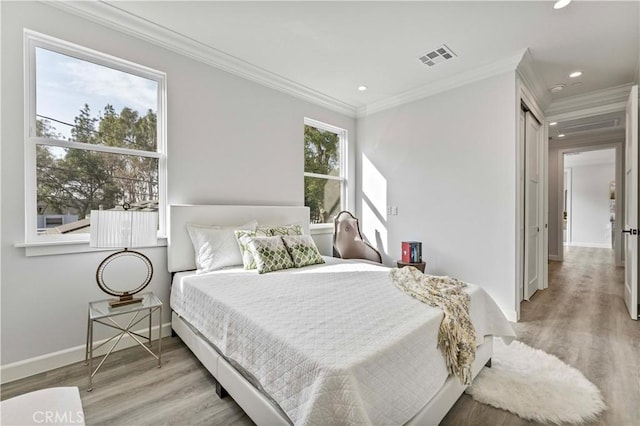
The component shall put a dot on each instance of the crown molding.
(443, 85)
(609, 100)
(115, 18)
(589, 112)
(532, 81)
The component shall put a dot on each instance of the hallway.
(582, 319)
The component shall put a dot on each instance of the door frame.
(566, 195)
(618, 165)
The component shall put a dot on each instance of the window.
(324, 170)
(95, 137)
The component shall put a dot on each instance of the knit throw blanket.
(456, 336)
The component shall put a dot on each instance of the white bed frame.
(258, 406)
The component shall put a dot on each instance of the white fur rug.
(536, 386)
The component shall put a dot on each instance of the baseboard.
(39, 364)
(555, 258)
(592, 245)
(511, 314)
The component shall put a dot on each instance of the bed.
(325, 344)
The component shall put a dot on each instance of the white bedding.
(331, 344)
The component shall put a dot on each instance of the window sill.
(321, 228)
(48, 248)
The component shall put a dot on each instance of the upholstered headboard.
(180, 255)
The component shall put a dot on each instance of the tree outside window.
(323, 177)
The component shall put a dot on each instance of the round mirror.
(125, 272)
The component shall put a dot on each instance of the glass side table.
(100, 312)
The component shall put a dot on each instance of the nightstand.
(418, 265)
(100, 312)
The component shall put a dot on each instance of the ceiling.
(334, 47)
(602, 126)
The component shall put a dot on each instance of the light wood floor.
(581, 318)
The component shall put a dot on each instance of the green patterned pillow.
(243, 236)
(285, 230)
(270, 254)
(303, 250)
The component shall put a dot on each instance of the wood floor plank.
(580, 318)
(130, 390)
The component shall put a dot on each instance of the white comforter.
(331, 344)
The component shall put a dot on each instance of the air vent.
(585, 127)
(436, 56)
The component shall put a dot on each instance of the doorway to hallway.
(589, 198)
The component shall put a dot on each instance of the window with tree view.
(324, 181)
(96, 135)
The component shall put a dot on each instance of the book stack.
(411, 251)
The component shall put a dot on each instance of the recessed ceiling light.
(561, 3)
(362, 88)
(557, 88)
(575, 74)
(553, 123)
(561, 135)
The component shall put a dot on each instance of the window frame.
(344, 169)
(33, 40)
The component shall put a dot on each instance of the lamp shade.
(123, 228)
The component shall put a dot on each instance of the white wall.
(230, 141)
(448, 162)
(590, 225)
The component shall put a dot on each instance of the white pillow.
(216, 246)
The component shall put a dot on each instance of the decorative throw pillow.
(243, 237)
(270, 254)
(215, 246)
(285, 230)
(303, 250)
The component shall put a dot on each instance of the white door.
(631, 207)
(532, 216)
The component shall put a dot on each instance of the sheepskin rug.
(536, 386)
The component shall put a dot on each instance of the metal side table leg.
(150, 318)
(90, 355)
(159, 337)
(86, 346)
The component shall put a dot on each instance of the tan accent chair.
(348, 242)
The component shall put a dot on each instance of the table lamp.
(123, 229)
